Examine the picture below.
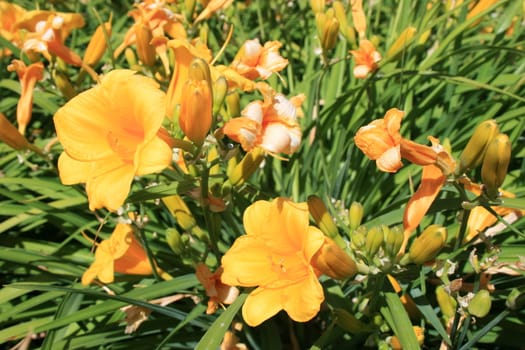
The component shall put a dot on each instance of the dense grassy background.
(454, 74)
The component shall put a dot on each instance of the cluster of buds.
(327, 24)
(490, 149)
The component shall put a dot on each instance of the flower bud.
(330, 32)
(246, 167)
(183, 216)
(358, 238)
(334, 261)
(10, 135)
(220, 89)
(403, 41)
(393, 240)
(515, 300)
(233, 104)
(97, 45)
(446, 302)
(475, 149)
(145, 50)
(64, 85)
(374, 241)
(480, 305)
(322, 217)
(495, 164)
(174, 240)
(317, 5)
(428, 244)
(196, 104)
(349, 322)
(355, 215)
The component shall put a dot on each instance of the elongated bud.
(333, 261)
(145, 50)
(358, 17)
(473, 153)
(64, 85)
(189, 8)
(349, 322)
(358, 238)
(495, 164)
(344, 27)
(10, 135)
(374, 241)
(174, 240)
(355, 215)
(393, 240)
(427, 245)
(330, 32)
(447, 304)
(233, 104)
(322, 217)
(317, 5)
(480, 305)
(183, 216)
(196, 105)
(403, 41)
(246, 167)
(97, 45)
(220, 89)
(131, 58)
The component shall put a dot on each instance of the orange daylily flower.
(218, 292)
(10, 14)
(161, 23)
(110, 134)
(28, 77)
(275, 255)
(184, 55)
(380, 141)
(366, 58)
(270, 124)
(254, 60)
(47, 32)
(121, 253)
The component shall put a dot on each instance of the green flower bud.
(374, 241)
(480, 305)
(358, 238)
(446, 302)
(428, 244)
(474, 151)
(355, 215)
(515, 300)
(174, 240)
(495, 164)
(393, 240)
(322, 217)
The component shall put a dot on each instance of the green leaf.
(398, 320)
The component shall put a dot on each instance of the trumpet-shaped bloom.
(366, 59)
(120, 253)
(275, 255)
(110, 134)
(218, 292)
(380, 140)
(271, 125)
(28, 77)
(47, 32)
(254, 60)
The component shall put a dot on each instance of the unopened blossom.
(112, 133)
(366, 59)
(28, 76)
(211, 7)
(218, 292)
(270, 124)
(121, 253)
(275, 256)
(256, 61)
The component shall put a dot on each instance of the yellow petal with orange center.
(260, 305)
(153, 157)
(111, 189)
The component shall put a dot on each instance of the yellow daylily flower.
(218, 292)
(275, 255)
(28, 77)
(256, 61)
(270, 124)
(366, 58)
(110, 134)
(121, 253)
(10, 14)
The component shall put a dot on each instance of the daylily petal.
(111, 189)
(302, 301)
(73, 171)
(390, 160)
(153, 157)
(260, 305)
(432, 179)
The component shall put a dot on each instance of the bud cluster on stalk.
(490, 149)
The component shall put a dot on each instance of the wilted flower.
(218, 292)
(275, 255)
(254, 60)
(110, 134)
(28, 77)
(121, 253)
